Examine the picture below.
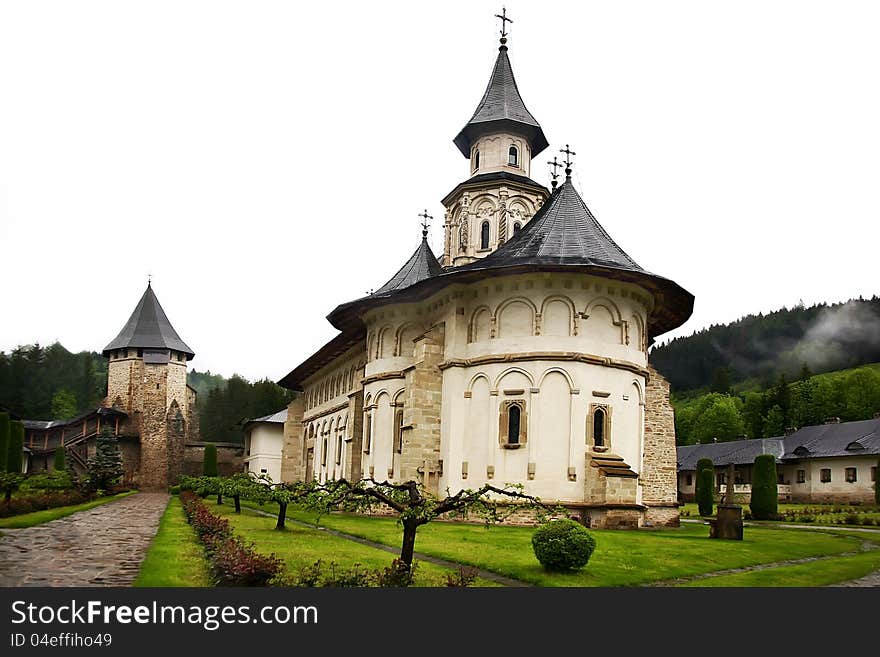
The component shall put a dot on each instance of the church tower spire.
(499, 140)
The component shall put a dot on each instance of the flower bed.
(40, 502)
(233, 561)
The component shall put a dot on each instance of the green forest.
(756, 349)
(852, 394)
(51, 383)
(762, 374)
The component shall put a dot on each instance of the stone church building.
(519, 355)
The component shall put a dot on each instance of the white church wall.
(263, 449)
(495, 151)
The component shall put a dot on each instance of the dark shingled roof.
(738, 452)
(148, 328)
(502, 108)
(564, 233)
(482, 178)
(821, 441)
(844, 439)
(421, 265)
(562, 236)
(339, 344)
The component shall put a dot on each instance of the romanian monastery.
(517, 356)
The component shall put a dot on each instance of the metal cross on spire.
(504, 21)
(554, 165)
(149, 279)
(425, 216)
(568, 153)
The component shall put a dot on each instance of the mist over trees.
(823, 337)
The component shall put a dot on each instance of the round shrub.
(563, 545)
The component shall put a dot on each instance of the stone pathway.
(103, 546)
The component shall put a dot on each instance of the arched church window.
(324, 452)
(476, 160)
(513, 157)
(513, 424)
(516, 227)
(339, 449)
(600, 426)
(398, 430)
(484, 235)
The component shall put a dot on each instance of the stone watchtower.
(499, 197)
(146, 378)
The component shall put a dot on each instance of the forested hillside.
(51, 383)
(760, 347)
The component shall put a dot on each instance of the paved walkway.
(103, 546)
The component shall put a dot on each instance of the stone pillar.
(421, 412)
(292, 443)
(353, 468)
(658, 475)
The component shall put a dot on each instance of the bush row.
(42, 501)
(233, 561)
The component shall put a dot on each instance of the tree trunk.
(409, 542)
(282, 515)
(237, 499)
(8, 496)
(219, 498)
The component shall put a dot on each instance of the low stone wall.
(230, 458)
(662, 516)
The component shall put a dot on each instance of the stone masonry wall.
(292, 447)
(153, 430)
(119, 377)
(421, 411)
(658, 476)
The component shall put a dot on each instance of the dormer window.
(513, 157)
(484, 235)
(516, 227)
(476, 160)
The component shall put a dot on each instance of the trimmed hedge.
(233, 562)
(30, 503)
(563, 545)
(764, 494)
(60, 461)
(4, 440)
(705, 486)
(877, 484)
(16, 447)
(209, 468)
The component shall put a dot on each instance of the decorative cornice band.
(326, 411)
(546, 355)
(383, 376)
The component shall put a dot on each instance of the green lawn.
(300, 546)
(39, 517)
(175, 557)
(819, 573)
(622, 558)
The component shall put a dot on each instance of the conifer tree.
(105, 467)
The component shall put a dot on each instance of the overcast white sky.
(267, 160)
